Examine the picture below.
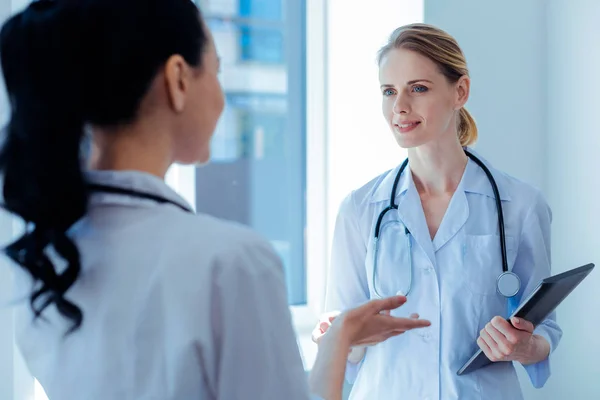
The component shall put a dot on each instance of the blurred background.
(302, 127)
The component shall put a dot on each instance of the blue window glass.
(261, 44)
(257, 173)
(262, 9)
(264, 44)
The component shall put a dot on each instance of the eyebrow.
(386, 85)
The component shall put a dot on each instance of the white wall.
(508, 76)
(574, 186)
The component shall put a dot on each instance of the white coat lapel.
(455, 218)
(410, 212)
(457, 213)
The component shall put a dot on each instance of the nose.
(401, 104)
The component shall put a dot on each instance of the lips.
(407, 126)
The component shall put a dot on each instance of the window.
(257, 172)
(263, 42)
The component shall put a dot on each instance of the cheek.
(434, 111)
(219, 97)
(387, 107)
(210, 103)
(446, 116)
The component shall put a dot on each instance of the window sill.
(304, 321)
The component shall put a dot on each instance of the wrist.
(338, 334)
(539, 350)
(543, 347)
(327, 375)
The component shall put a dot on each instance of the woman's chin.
(408, 141)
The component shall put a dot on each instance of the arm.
(257, 353)
(327, 375)
(347, 285)
(533, 264)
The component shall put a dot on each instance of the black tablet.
(540, 303)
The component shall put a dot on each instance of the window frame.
(316, 239)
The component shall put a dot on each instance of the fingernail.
(517, 320)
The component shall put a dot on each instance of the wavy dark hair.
(66, 64)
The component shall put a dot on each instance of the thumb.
(389, 303)
(323, 326)
(522, 324)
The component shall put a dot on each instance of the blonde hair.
(444, 51)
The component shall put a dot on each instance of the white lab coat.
(176, 306)
(453, 283)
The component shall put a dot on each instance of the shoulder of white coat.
(363, 195)
(230, 243)
(522, 194)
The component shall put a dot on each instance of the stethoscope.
(508, 283)
(99, 188)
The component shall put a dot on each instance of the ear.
(463, 86)
(178, 77)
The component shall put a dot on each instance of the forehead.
(402, 65)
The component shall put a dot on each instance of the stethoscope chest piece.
(508, 284)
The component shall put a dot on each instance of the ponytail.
(467, 128)
(42, 178)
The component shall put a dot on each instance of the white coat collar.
(474, 181)
(131, 180)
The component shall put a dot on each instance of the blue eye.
(388, 92)
(420, 89)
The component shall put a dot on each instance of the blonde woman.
(462, 240)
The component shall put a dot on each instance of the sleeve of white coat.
(347, 285)
(257, 356)
(532, 265)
